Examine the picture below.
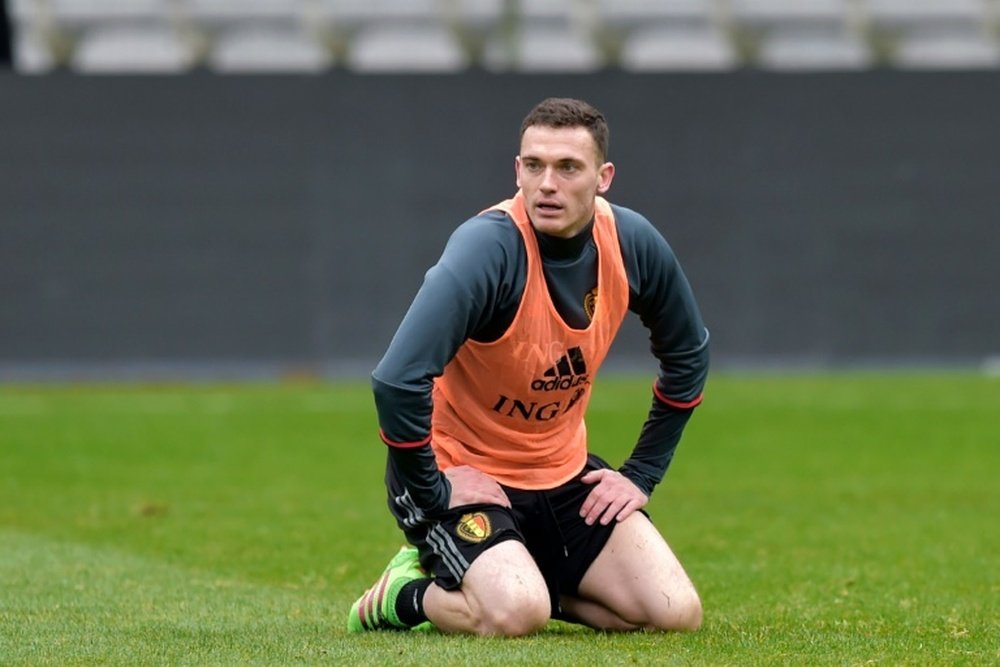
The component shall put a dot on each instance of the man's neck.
(556, 247)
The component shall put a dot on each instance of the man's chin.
(550, 227)
(546, 221)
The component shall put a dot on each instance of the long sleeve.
(664, 301)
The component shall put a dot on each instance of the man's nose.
(548, 181)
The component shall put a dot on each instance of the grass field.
(827, 520)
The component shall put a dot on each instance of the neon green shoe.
(376, 609)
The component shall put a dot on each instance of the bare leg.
(503, 593)
(636, 582)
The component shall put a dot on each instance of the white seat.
(99, 12)
(543, 46)
(549, 10)
(653, 21)
(947, 52)
(23, 10)
(935, 34)
(789, 12)
(474, 12)
(633, 13)
(915, 13)
(402, 46)
(664, 48)
(259, 48)
(804, 52)
(213, 13)
(804, 34)
(667, 35)
(131, 49)
(356, 13)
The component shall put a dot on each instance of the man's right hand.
(470, 486)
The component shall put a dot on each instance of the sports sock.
(410, 602)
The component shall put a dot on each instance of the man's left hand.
(614, 497)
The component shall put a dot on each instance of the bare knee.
(515, 617)
(503, 594)
(690, 615)
(682, 612)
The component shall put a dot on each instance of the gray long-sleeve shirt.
(473, 292)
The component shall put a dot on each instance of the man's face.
(560, 173)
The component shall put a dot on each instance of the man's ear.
(517, 170)
(605, 174)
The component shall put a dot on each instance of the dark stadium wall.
(200, 224)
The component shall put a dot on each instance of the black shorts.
(547, 522)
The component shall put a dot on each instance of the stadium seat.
(539, 36)
(543, 46)
(550, 10)
(221, 13)
(667, 35)
(263, 48)
(148, 49)
(820, 51)
(635, 13)
(404, 46)
(474, 12)
(665, 47)
(85, 13)
(782, 12)
(618, 18)
(947, 51)
(803, 34)
(935, 33)
(914, 13)
(357, 13)
(23, 11)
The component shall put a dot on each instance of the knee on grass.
(516, 617)
(682, 612)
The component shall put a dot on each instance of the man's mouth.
(548, 207)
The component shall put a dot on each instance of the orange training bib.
(514, 408)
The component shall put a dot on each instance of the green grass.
(840, 519)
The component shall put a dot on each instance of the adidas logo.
(569, 371)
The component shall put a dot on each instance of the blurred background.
(220, 189)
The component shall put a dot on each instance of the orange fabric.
(514, 408)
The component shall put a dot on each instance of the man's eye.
(532, 166)
(568, 168)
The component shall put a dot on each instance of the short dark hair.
(568, 112)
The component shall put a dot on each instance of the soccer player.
(481, 399)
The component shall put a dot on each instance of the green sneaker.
(376, 609)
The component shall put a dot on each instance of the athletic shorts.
(547, 522)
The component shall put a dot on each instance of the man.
(481, 398)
